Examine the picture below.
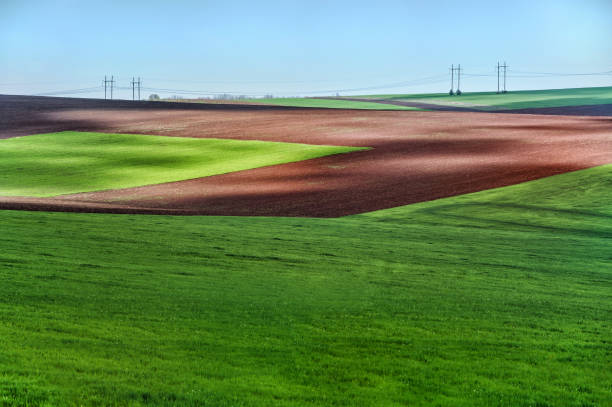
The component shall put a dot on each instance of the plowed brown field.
(415, 156)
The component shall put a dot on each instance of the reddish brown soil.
(415, 156)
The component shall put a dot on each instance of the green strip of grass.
(331, 104)
(71, 162)
(500, 298)
(514, 99)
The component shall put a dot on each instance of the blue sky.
(301, 47)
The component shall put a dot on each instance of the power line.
(564, 74)
(414, 82)
(195, 92)
(510, 75)
(69, 92)
(136, 85)
(273, 81)
(478, 74)
(38, 83)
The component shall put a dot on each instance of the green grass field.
(498, 298)
(514, 99)
(331, 104)
(70, 162)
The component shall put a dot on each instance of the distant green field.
(498, 298)
(71, 162)
(513, 100)
(329, 103)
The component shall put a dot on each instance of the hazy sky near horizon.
(301, 47)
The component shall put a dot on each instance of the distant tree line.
(222, 96)
(227, 96)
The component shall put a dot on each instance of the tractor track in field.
(416, 155)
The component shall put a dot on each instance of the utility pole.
(134, 83)
(106, 82)
(452, 69)
(497, 76)
(505, 68)
(459, 80)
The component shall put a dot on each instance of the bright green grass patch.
(514, 100)
(71, 162)
(499, 298)
(330, 103)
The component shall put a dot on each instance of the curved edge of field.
(55, 164)
(562, 192)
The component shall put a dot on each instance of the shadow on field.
(300, 191)
(25, 115)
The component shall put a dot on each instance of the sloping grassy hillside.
(71, 162)
(513, 99)
(499, 298)
(331, 104)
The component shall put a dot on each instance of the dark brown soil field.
(415, 156)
